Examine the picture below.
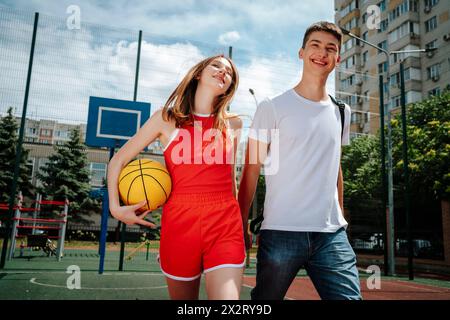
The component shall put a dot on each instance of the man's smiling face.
(321, 53)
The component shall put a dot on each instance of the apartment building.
(396, 25)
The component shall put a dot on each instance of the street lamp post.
(406, 172)
(252, 207)
(390, 214)
(389, 245)
(252, 92)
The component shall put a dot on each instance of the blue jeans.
(328, 259)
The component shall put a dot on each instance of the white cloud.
(267, 77)
(264, 26)
(72, 65)
(229, 38)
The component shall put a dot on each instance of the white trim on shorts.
(179, 278)
(227, 265)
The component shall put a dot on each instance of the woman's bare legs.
(183, 290)
(224, 283)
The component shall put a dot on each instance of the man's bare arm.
(340, 186)
(254, 157)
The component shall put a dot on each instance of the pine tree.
(66, 175)
(8, 146)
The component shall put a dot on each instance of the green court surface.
(38, 277)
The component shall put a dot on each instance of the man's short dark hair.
(324, 26)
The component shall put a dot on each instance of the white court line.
(420, 288)
(33, 281)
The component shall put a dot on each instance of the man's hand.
(247, 238)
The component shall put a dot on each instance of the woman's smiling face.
(218, 75)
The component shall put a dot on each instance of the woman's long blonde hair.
(180, 105)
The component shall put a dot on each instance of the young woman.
(201, 226)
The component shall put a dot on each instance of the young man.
(303, 223)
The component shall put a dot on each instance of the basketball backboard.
(111, 122)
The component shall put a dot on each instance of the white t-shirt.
(301, 183)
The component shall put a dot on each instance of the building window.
(348, 82)
(46, 132)
(31, 164)
(383, 26)
(350, 62)
(395, 101)
(348, 45)
(350, 7)
(406, 28)
(365, 56)
(351, 80)
(365, 35)
(405, 7)
(394, 80)
(353, 23)
(433, 71)
(382, 5)
(61, 134)
(431, 44)
(434, 92)
(382, 67)
(431, 24)
(412, 74)
(413, 96)
(394, 58)
(383, 45)
(431, 3)
(97, 173)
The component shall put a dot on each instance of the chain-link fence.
(71, 65)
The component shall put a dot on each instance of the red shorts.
(200, 233)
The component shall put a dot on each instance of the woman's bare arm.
(148, 133)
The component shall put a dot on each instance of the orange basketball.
(145, 179)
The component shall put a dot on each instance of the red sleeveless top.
(199, 157)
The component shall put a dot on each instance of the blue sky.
(265, 36)
(262, 26)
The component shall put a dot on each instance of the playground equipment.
(138, 248)
(38, 238)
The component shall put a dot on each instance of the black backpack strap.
(341, 106)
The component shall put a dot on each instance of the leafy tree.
(361, 168)
(66, 175)
(428, 130)
(8, 145)
(362, 181)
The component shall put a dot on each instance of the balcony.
(409, 38)
(409, 16)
